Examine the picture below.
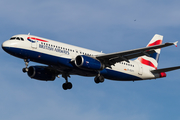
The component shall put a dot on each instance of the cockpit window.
(17, 38)
(13, 38)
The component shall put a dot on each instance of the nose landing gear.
(26, 63)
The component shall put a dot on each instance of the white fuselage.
(51, 52)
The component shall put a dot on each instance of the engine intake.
(88, 63)
(41, 73)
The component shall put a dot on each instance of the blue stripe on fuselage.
(54, 60)
(115, 75)
(31, 40)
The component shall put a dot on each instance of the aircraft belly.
(64, 63)
(120, 76)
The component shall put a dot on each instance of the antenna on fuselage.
(28, 33)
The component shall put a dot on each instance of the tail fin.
(153, 58)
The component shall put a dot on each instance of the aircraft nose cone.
(5, 46)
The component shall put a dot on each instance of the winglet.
(175, 43)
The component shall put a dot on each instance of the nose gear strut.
(26, 63)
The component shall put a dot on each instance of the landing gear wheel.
(99, 79)
(25, 70)
(64, 86)
(96, 80)
(26, 63)
(67, 85)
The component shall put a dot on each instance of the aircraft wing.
(165, 69)
(112, 58)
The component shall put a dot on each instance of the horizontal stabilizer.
(165, 69)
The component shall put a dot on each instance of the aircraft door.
(140, 72)
(34, 45)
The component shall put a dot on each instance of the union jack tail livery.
(153, 58)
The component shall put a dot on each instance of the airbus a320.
(64, 59)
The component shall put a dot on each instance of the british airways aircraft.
(64, 59)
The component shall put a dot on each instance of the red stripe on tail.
(158, 42)
(147, 62)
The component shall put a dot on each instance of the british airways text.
(53, 49)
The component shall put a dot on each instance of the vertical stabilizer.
(152, 59)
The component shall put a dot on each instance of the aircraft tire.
(96, 80)
(69, 85)
(101, 79)
(25, 70)
(66, 86)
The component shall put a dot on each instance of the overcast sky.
(103, 25)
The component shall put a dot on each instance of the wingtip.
(175, 43)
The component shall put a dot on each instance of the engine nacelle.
(41, 73)
(88, 63)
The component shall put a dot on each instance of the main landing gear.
(99, 79)
(66, 85)
(26, 63)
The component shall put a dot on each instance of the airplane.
(64, 59)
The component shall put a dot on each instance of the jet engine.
(41, 73)
(88, 63)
